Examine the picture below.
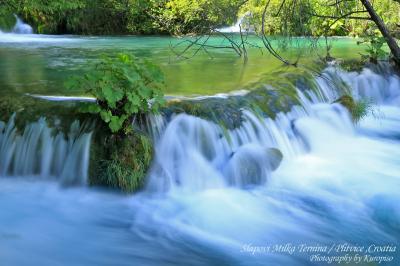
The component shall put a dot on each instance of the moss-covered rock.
(223, 111)
(228, 111)
(120, 162)
(357, 109)
(115, 161)
(27, 109)
(353, 65)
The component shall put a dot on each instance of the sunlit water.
(338, 183)
(40, 64)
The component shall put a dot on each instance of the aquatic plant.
(125, 88)
(120, 163)
(358, 109)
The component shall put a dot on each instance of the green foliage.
(375, 47)
(45, 16)
(120, 163)
(361, 109)
(192, 16)
(123, 87)
(120, 16)
(282, 17)
(197, 16)
(358, 109)
(353, 65)
(318, 17)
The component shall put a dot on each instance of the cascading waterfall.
(239, 25)
(38, 152)
(23, 34)
(220, 197)
(21, 27)
(198, 154)
(205, 197)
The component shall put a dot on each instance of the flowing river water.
(211, 198)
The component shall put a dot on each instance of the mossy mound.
(357, 109)
(223, 111)
(228, 112)
(27, 109)
(115, 161)
(120, 162)
(353, 65)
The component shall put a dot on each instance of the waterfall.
(214, 190)
(21, 27)
(194, 154)
(381, 87)
(39, 151)
(239, 25)
(309, 178)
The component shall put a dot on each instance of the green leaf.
(114, 124)
(123, 85)
(106, 115)
(92, 108)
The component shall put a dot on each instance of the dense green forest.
(177, 17)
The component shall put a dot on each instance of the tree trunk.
(391, 42)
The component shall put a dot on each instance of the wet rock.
(251, 165)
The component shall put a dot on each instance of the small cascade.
(194, 154)
(38, 151)
(240, 25)
(380, 87)
(21, 27)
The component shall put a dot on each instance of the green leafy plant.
(124, 87)
(375, 47)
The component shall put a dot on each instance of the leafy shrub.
(375, 48)
(124, 87)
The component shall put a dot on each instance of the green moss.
(120, 162)
(223, 111)
(228, 112)
(353, 65)
(115, 161)
(59, 115)
(357, 109)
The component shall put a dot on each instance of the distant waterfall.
(21, 27)
(239, 25)
(37, 151)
